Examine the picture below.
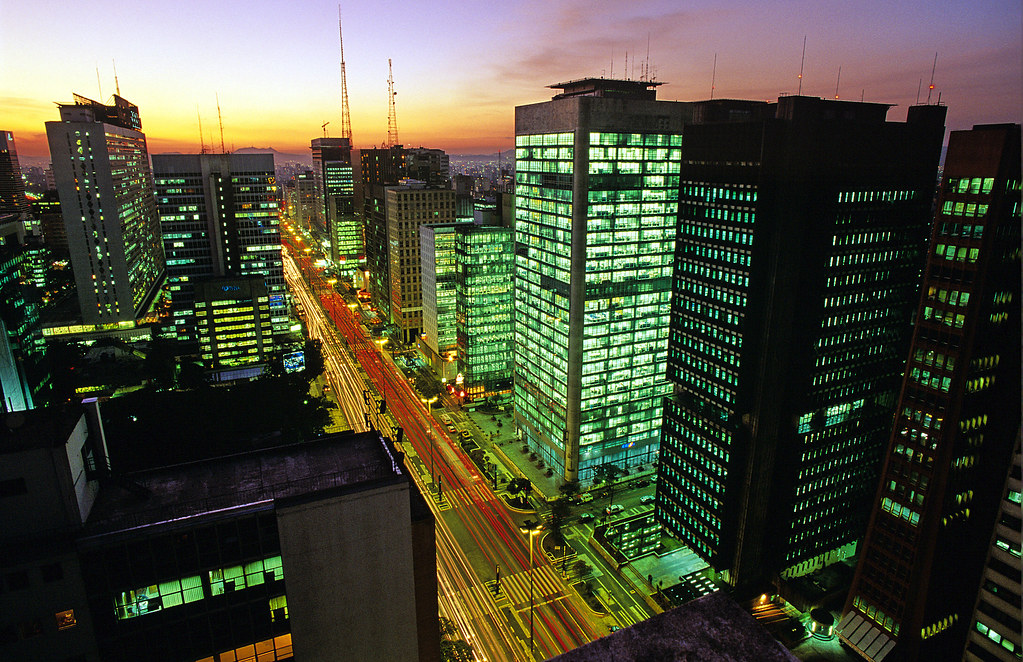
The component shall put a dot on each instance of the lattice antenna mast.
(346, 118)
(221, 121)
(392, 118)
(202, 142)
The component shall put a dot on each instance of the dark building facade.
(799, 247)
(220, 218)
(12, 186)
(956, 421)
(995, 631)
(377, 169)
(329, 554)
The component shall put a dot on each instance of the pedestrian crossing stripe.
(475, 492)
(546, 584)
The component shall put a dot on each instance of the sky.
(461, 67)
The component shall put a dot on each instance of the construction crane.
(324, 127)
(392, 118)
(346, 118)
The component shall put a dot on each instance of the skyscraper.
(12, 187)
(220, 219)
(484, 308)
(326, 150)
(377, 169)
(956, 424)
(800, 235)
(406, 208)
(994, 631)
(596, 188)
(101, 169)
(344, 231)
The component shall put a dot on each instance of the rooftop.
(44, 427)
(337, 463)
(713, 627)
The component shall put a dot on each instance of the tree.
(607, 473)
(314, 364)
(447, 627)
(581, 568)
(559, 513)
(517, 485)
(455, 651)
(427, 385)
(191, 376)
(569, 488)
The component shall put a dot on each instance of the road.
(476, 532)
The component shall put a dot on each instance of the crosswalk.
(515, 588)
(474, 492)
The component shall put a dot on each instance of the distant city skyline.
(459, 72)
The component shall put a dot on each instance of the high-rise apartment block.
(596, 198)
(101, 169)
(12, 186)
(408, 206)
(956, 423)
(801, 231)
(219, 214)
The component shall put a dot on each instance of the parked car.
(586, 517)
(614, 509)
(451, 428)
(466, 434)
(646, 499)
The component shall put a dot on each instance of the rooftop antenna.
(801, 61)
(861, 96)
(839, 80)
(612, 75)
(646, 64)
(221, 120)
(626, 64)
(930, 88)
(346, 118)
(919, 85)
(392, 117)
(117, 85)
(202, 143)
(99, 85)
(324, 127)
(713, 75)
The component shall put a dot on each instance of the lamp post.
(534, 531)
(429, 432)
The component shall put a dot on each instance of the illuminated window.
(66, 619)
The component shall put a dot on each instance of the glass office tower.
(596, 199)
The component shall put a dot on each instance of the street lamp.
(534, 531)
(429, 432)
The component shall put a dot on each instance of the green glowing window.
(149, 599)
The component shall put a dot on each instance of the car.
(446, 419)
(586, 498)
(466, 434)
(646, 499)
(586, 517)
(614, 509)
(451, 428)
(642, 482)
